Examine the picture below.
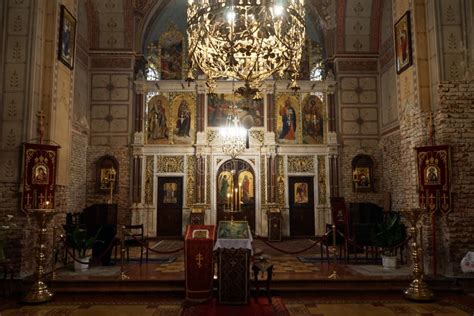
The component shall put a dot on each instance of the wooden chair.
(134, 237)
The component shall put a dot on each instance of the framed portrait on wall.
(403, 50)
(67, 38)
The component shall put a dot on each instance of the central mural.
(250, 112)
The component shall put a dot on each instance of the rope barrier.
(143, 244)
(289, 252)
(99, 258)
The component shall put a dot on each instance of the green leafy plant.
(78, 240)
(390, 233)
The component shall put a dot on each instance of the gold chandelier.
(234, 135)
(248, 40)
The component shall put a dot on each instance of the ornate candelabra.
(418, 289)
(39, 292)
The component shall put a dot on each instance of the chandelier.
(248, 40)
(234, 136)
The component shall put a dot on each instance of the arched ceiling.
(124, 24)
(358, 26)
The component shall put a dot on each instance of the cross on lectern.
(199, 259)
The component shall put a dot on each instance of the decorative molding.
(322, 190)
(258, 135)
(263, 185)
(149, 180)
(170, 164)
(208, 180)
(281, 179)
(110, 62)
(190, 172)
(212, 135)
(357, 65)
(298, 164)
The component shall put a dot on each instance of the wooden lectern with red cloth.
(198, 244)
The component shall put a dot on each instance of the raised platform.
(304, 272)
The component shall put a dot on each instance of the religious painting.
(246, 187)
(225, 184)
(156, 120)
(301, 192)
(403, 51)
(233, 230)
(361, 178)
(39, 176)
(40, 173)
(432, 175)
(362, 166)
(287, 119)
(171, 54)
(107, 174)
(312, 115)
(250, 112)
(184, 119)
(67, 34)
(171, 193)
(433, 178)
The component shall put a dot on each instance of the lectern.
(234, 248)
(198, 243)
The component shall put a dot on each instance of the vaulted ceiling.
(349, 26)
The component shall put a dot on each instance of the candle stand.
(39, 292)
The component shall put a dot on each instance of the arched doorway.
(235, 198)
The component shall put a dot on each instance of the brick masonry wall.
(454, 125)
(78, 178)
(454, 121)
(392, 177)
(13, 235)
(122, 197)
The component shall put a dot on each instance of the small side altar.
(233, 248)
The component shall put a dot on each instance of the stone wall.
(77, 180)
(122, 197)
(454, 121)
(392, 175)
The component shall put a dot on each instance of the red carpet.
(254, 308)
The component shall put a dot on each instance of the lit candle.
(240, 196)
(235, 199)
(47, 204)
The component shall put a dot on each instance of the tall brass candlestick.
(418, 289)
(39, 292)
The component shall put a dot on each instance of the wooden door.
(169, 207)
(301, 195)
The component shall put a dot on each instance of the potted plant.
(390, 233)
(80, 242)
